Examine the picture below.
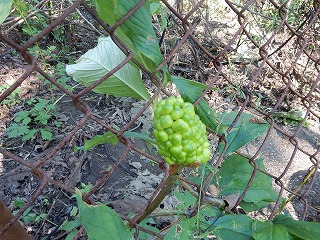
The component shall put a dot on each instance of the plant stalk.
(167, 186)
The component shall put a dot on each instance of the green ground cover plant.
(33, 120)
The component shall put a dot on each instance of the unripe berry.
(179, 133)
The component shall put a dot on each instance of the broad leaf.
(300, 229)
(101, 222)
(244, 131)
(267, 230)
(235, 173)
(231, 227)
(136, 32)
(28, 135)
(139, 28)
(182, 230)
(106, 11)
(190, 91)
(107, 137)
(97, 62)
(5, 6)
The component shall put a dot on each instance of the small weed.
(296, 10)
(291, 118)
(28, 123)
(13, 98)
(37, 51)
(153, 163)
(28, 216)
(60, 74)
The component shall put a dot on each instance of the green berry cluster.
(180, 134)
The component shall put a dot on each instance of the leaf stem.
(305, 180)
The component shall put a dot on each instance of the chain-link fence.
(257, 57)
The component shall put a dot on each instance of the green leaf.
(101, 222)
(185, 198)
(143, 136)
(26, 121)
(69, 225)
(13, 130)
(5, 6)
(21, 7)
(235, 173)
(136, 32)
(231, 227)
(267, 230)
(42, 118)
(154, 7)
(243, 131)
(28, 135)
(23, 130)
(139, 28)
(207, 216)
(251, 206)
(19, 116)
(190, 91)
(45, 134)
(18, 203)
(144, 223)
(107, 137)
(97, 62)
(40, 105)
(71, 235)
(210, 211)
(300, 229)
(182, 230)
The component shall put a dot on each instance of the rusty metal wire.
(284, 56)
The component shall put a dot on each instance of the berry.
(180, 135)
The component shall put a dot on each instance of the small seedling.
(13, 98)
(28, 216)
(28, 123)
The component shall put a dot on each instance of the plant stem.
(167, 186)
(305, 180)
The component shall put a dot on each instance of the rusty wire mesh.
(285, 62)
